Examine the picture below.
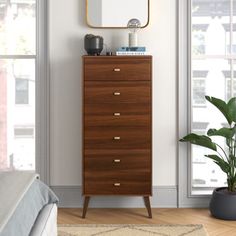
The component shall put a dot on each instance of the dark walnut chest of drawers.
(117, 127)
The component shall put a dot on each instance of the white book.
(129, 53)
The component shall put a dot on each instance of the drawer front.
(117, 92)
(125, 176)
(117, 69)
(117, 119)
(109, 109)
(117, 160)
(117, 137)
(117, 188)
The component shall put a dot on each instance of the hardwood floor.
(213, 226)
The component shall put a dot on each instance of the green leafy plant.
(225, 159)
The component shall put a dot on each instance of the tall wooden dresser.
(117, 127)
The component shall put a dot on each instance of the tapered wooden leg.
(148, 206)
(86, 202)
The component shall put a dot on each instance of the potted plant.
(223, 201)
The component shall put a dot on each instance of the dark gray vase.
(93, 44)
(223, 204)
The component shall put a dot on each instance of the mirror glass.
(116, 13)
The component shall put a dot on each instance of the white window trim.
(185, 199)
(42, 93)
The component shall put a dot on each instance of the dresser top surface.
(115, 57)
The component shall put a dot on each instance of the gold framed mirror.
(116, 13)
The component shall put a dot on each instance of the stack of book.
(133, 51)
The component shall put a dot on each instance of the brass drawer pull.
(116, 93)
(117, 70)
(117, 160)
(116, 138)
(117, 184)
(117, 114)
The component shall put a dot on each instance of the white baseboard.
(71, 197)
(195, 203)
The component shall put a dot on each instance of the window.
(23, 61)
(218, 41)
(227, 36)
(22, 91)
(17, 67)
(203, 72)
(199, 88)
(229, 89)
(24, 132)
(198, 38)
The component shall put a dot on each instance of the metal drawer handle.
(116, 138)
(117, 161)
(116, 184)
(117, 70)
(117, 114)
(116, 93)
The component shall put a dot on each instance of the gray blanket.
(22, 196)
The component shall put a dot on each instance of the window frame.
(42, 119)
(42, 123)
(185, 196)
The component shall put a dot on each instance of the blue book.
(131, 49)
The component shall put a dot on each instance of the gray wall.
(67, 29)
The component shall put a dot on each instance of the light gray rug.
(131, 230)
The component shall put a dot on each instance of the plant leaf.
(215, 158)
(232, 108)
(200, 140)
(222, 106)
(228, 142)
(224, 132)
(225, 166)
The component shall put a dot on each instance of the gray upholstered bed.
(27, 205)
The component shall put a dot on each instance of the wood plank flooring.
(213, 226)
